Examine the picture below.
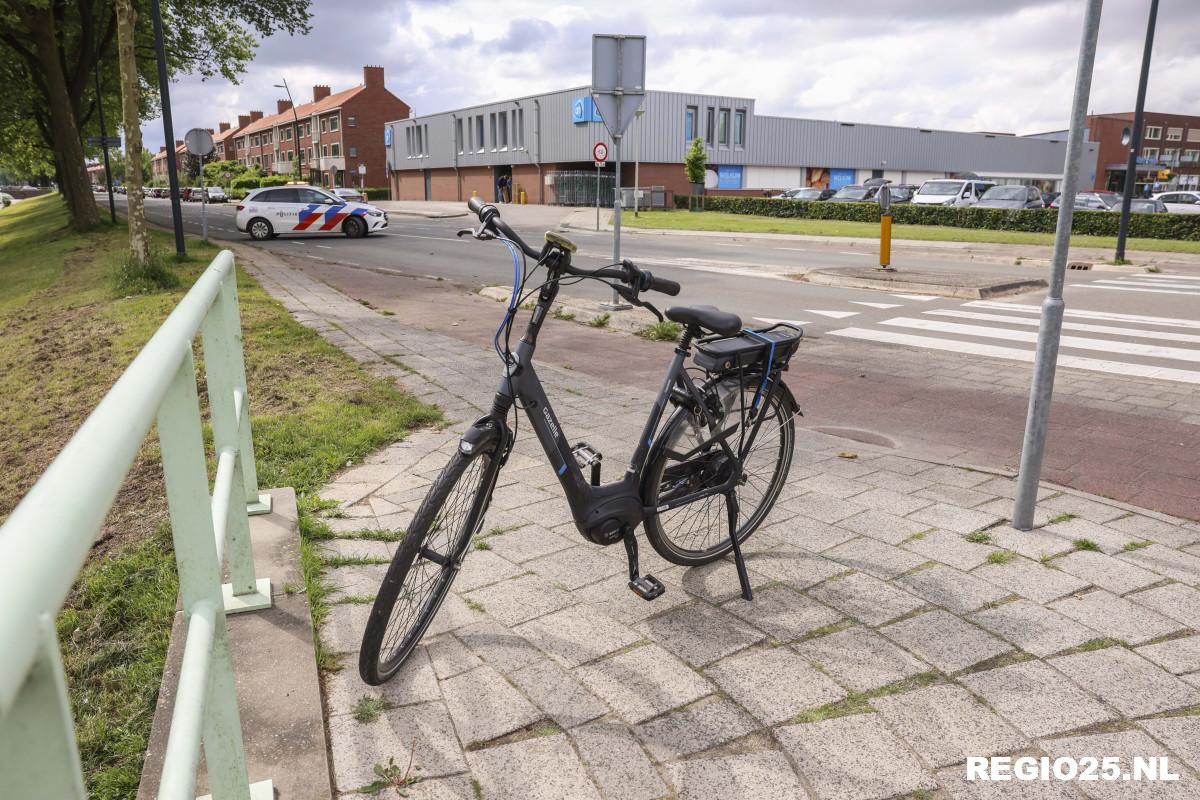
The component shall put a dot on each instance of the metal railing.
(44, 543)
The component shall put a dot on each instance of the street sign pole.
(203, 204)
(1050, 332)
(199, 143)
(617, 304)
(597, 195)
(108, 176)
(1136, 141)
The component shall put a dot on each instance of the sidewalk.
(898, 627)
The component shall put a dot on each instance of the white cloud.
(957, 64)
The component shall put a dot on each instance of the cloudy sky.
(997, 65)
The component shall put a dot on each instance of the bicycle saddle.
(707, 317)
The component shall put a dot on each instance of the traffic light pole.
(1135, 142)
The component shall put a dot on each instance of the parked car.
(6, 200)
(1180, 202)
(352, 195)
(1142, 205)
(196, 195)
(305, 210)
(901, 192)
(1092, 201)
(1011, 197)
(217, 195)
(951, 192)
(854, 194)
(1049, 197)
(808, 193)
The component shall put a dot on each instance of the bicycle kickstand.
(743, 578)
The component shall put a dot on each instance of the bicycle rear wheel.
(690, 459)
(426, 562)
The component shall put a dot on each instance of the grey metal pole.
(1135, 142)
(203, 203)
(108, 176)
(164, 93)
(616, 303)
(597, 195)
(1050, 331)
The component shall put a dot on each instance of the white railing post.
(199, 582)
(225, 375)
(38, 753)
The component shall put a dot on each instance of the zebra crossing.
(1137, 345)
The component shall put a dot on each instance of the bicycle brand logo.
(550, 421)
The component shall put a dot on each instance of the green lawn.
(746, 223)
(65, 336)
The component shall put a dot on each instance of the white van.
(951, 192)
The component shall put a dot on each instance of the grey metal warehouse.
(534, 140)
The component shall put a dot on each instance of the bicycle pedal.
(647, 587)
(588, 456)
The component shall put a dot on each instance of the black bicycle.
(701, 482)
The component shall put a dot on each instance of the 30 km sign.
(600, 152)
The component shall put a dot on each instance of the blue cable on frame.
(512, 302)
(766, 370)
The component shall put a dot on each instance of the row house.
(332, 136)
(158, 164)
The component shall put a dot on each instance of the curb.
(999, 289)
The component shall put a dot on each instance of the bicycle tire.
(698, 533)
(460, 494)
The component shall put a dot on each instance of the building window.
(308, 129)
(503, 130)
(333, 122)
(1150, 152)
(1170, 155)
(520, 126)
(689, 122)
(492, 122)
(709, 126)
(723, 127)
(322, 126)
(408, 142)
(1194, 135)
(325, 151)
(479, 133)
(458, 138)
(739, 129)
(335, 150)
(1153, 132)
(1174, 134)
(254, 141)
(353, 152)
(420, 142)
(1191, 156)
(427, 142)
(351, 122)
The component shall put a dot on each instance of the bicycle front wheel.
(425, 564)
(691, 460)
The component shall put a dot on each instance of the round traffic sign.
(600, 152)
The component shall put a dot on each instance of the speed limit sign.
(600, 152)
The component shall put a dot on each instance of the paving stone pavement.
(889, 639)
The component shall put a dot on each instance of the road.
(942, 377)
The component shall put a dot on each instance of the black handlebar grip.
(663, 285)
(475, 204)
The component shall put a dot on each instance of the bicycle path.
(899, 625)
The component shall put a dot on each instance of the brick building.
(1170, 150)
(543, 145)
(158, 164)
(331, 136)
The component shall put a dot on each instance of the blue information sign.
(729, 176)
(840, 177)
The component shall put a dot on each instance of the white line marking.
(848, 253)
(295, 241)
(1168, 285)
(833, 314)
(924, 298)
(726, 244)
(1170, 276)
(1078, 342)
(326, 246)
(1133, 289)
(317, 258)
(796, 249)
(876, 305)
(1073, 326)
(1104, 315)
(1013, 354)
(771, 321)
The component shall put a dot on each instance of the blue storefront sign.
(729, 176)
(840, 177)
(583, 109)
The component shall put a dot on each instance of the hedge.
(378, 193)
(1185, 227)
(274, 180)
(245, 182)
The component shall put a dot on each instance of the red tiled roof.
(322, 105)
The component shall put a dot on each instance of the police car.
(305, 210)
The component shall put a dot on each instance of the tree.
(49, 50)
(121, 166)
(139, 246)
(695, 161)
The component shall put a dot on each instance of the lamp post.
(1135, 140)
(164, 95)
(637, 159)
(299, 156)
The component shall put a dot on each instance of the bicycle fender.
(484, 435)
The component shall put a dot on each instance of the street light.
(1136, 136)
(299, 156)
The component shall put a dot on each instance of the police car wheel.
(354, 228)
(260, 229)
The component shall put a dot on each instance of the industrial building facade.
(452, 155)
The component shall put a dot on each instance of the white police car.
(305, 210)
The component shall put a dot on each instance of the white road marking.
(1072, 326)
(294, 241)
(771, 321)
(924, 298)
(849, 253)
(326, 246)
(316, 258)
(1134, 289)
(833, 314)
(796, 249)
(1110, 316)
(876, 305)
(1134, 282)
(1171, 276)
(726, 244)
(1078, 342)
(1013, 354)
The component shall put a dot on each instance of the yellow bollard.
(522, 195)
(474, 193)
(885, 241)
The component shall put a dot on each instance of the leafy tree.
(695, 161)
(49, 51)
(120, 165)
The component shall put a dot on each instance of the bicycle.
(729, 439)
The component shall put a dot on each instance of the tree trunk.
(72, 173)
(139, 250)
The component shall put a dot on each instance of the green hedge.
(274, 180)
(378, 193)
(1034, 220)
(245, 182)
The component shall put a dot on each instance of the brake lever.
(482, 234)
(632, 296)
